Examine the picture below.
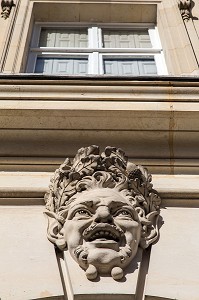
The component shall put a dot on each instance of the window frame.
(95, 52)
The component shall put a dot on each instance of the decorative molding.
(102, 89)
(185, 9)
(6, 6)
(101, 208)
(175, 190)
(66, 114)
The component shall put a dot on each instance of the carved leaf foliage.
(140, 180)
(154, 201)
(49, 200)
(110, 169)
(114, 160)
(86, 160)
(63, 183)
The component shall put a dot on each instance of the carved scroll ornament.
(100, 208)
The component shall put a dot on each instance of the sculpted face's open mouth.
(103, 232)
(103, 235)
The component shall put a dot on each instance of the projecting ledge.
(175, 190)
(154, 88)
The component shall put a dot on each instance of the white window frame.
(95, 51)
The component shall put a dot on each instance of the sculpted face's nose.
(103, 215)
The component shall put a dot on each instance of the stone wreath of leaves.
(87, 162)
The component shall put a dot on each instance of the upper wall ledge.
(143, 88)
(30, 76)
(19, 187)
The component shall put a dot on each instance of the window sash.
(60, 37)
(125, 38)
(65, 66)
(129, 66)
(95, 51)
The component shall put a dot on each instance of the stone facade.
(46, 118)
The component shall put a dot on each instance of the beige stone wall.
(29, 268)
(43, 120)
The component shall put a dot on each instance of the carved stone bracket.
(6, 6)
(185, 9)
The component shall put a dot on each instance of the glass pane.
(63, 37)
(130, 66)
(62, 66)
(126, 39)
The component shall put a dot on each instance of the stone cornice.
(175, 190)
(82, 103)
(183, 89)
(50, 117)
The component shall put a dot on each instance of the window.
(109, 49)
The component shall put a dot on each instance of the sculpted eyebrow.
(120, 204)
(85, 204)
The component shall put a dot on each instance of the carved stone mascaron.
(102, 208)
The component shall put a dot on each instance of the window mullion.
(93, 33)
(93, 37)
(94, 63)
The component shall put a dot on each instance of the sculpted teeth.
(92, 227)
(103, 234)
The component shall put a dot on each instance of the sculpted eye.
(82, 212)
(123, 213)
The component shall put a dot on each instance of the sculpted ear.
(150, 229)
(54, 230)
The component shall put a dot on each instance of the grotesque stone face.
(102, 231)
(101, 207)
